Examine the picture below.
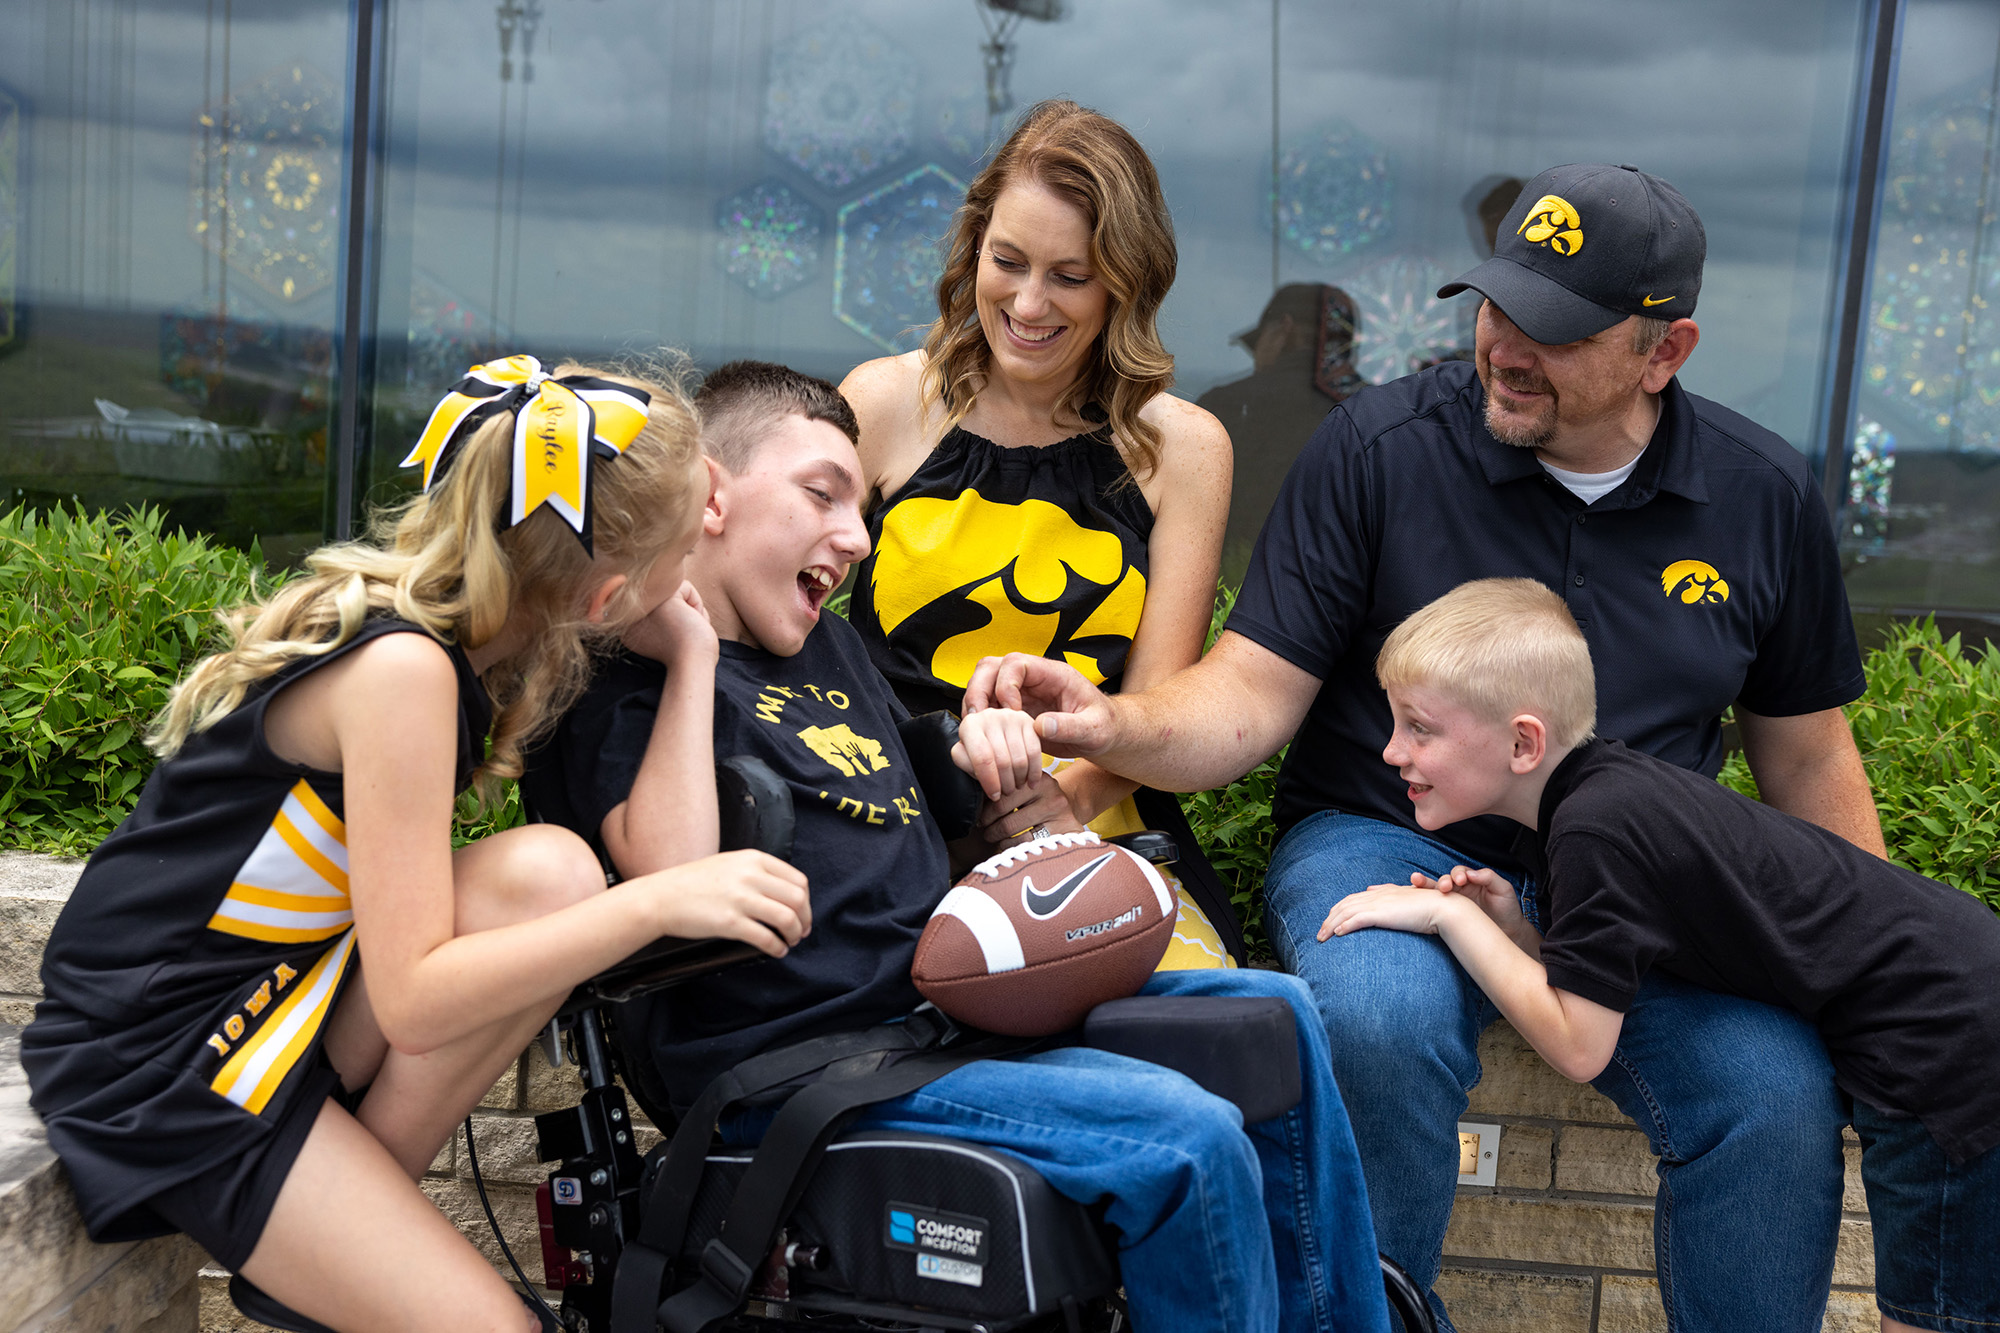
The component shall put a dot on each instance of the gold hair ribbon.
(558, 424)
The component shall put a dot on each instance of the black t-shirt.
(825, 721)
(1707, 577)
(1640, 864)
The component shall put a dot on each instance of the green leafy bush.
(99, 616)
(1927, 729)
(1233, 823)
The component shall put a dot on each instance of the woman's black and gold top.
(989, 550)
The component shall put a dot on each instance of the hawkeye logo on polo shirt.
(1694, 581)
(1553, 222)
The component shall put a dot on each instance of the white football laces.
(993, 865)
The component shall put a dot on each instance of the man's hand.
(674, 629)
(1072, 717)
(1041, 803)
(1405, 907)
(1000, 749)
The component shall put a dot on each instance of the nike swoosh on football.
(1041, 906)
(1647, 299)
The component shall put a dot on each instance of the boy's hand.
(1039, 804)
(1405, 907)
(673, 630)
(1070, 713)
(1496, 897)
(1000, 749)
(1490, 889)
(748, 896)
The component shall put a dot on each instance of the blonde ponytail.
(439, 560)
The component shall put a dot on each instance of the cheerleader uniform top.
(194, 967)
(989, 550)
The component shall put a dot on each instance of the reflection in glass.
(1923, 524)
(762, 180)
(168, 209)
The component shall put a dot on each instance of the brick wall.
(1563, 1241)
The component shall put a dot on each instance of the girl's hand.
(1041, 803)
(999, 748)
(1388, 906)
(748, 896)
(673, 630)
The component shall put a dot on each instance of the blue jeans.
(1935, 1221)
(1220, 1226)
(1736, 1097)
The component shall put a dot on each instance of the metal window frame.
(357, 280)
(1866, 173)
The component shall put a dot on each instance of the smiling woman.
(1038, 490)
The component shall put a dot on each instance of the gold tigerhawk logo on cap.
(1695, 581)
(1555, 223)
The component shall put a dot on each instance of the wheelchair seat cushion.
(919, 1220)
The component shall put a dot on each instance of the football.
(1039, 935)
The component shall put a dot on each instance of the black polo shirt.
(1641, 865)
(1708, 577)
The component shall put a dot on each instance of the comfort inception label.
(949, 1246)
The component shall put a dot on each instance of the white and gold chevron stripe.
(257, 1067)
(293, 887)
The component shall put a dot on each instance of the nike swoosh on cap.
(1042, 906)
(1649, 299)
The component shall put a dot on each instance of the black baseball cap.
(1588, 244)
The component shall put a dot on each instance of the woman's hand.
(673, 630)
(748, 896)
(1041, 803)
(1000, 749)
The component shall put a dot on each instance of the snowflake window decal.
(769, 238)
(887, 256)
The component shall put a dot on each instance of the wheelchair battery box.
(921, 1222)
(1241, 1047)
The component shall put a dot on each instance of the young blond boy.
(1638, 864)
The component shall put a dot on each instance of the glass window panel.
(169, 178)
(1922, 525)
(766, 178)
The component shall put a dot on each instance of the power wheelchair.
(829, 1230)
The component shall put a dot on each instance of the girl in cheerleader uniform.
(276, 988)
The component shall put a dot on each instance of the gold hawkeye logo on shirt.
(1553, 222)
(1694, 581)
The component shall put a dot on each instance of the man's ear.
(1531, 743)
(598, 608)
(1670, 355)
(715, 512)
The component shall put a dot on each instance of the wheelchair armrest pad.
(663, 963)
(1244, 1048)
(950, 792)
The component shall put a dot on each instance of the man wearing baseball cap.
(1694, 551)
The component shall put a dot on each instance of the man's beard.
(1510, 428)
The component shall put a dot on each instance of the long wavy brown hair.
(1096, 164)
(438, 560)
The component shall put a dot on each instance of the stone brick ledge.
(1561, 1243)
(53, 1279)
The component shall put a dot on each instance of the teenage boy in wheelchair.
(1218, 1225)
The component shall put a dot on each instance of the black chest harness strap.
(857, 1069)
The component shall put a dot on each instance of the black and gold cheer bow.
(558, 424)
